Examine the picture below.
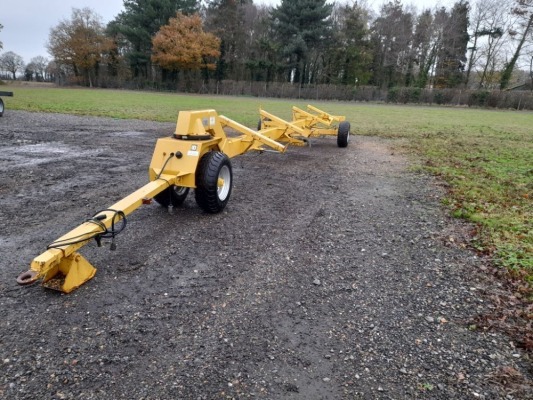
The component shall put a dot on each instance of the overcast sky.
(27, 24)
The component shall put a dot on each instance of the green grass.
(486, 156)
(152, 106)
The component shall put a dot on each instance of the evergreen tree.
(301, 26)
(230, 20)
(349, 57)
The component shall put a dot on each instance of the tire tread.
(206, 193)
(343, 134)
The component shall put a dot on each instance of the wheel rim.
(224, 182)
(180, 190)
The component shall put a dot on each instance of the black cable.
(113, 232)
(163, 168)
(105, 233)
(97, 220)
(161, 172)
(72, 240)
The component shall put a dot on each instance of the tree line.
(192, 45)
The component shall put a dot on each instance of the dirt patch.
(325, 277)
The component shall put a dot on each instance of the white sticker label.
(211, 121)
(193, 152)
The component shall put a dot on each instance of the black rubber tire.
(174, 195)
(1, 107)
(209, 196)
(260, 123)
(343, 134)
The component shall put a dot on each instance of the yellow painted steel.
(304, 124)
(69, 267)
(174, 162)
(69, 274)
(256, 139)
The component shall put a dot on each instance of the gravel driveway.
(331, 274)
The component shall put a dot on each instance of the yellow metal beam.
(280, 121)
(257, 136)
(325, 115)
(62, 257)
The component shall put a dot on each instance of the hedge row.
(518, 100)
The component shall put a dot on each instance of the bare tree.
(425, 43)
(1, 44)
(53, 72)
(264, 57)
(12, 63)
(524, 11)
(491, 20)
(478, 18)
(392, 36)
(451, 59)
(37, 68)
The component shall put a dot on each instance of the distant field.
(486, 156)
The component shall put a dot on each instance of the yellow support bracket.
(259, 138)
(326, 116)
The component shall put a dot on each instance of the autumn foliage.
(80, 43)
(183, 44)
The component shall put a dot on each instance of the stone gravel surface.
(331, 274)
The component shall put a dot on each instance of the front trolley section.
(196, 157)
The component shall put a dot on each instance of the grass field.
(486, 156)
